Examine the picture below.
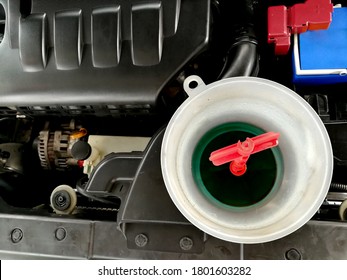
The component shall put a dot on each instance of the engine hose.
(338, 187)
(242, 58)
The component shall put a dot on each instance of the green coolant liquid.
(217, 183)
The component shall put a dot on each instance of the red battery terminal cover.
(239, 153)
(284, 21)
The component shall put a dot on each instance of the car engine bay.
(109, 111)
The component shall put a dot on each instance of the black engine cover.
(115, 54)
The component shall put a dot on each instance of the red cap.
(283, 21)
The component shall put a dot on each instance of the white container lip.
(308, 164)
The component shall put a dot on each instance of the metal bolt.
(16, 235)
(186, 243)
(60, 234)
(293, 254)
(141, 240)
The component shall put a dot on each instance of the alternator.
(54, 147)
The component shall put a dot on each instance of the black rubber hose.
(242, 60)
(338, 187)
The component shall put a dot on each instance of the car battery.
(319, 57)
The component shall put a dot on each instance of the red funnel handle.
(238, 154)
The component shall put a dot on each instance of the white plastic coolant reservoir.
(282, 188)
